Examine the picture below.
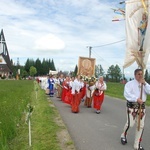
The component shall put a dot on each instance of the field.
(46, 123)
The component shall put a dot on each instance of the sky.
(63, 30)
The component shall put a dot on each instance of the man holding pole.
(135, 92)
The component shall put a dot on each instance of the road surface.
(91, 131)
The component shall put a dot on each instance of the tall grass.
(47, 127)
(14, 97)
(43, 127)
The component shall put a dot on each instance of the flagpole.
(139, 118)
(141, 94)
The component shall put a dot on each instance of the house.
(5, 63)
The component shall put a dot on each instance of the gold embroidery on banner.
(135, 10)
(144, 5)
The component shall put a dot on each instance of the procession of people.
(73, 90)
(91, 91)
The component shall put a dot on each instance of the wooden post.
(139, 111)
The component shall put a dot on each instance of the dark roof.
(5, 54)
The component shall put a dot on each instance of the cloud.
(49, 42)
(61, 30)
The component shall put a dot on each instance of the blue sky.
(62, 29)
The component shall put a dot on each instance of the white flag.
(137, 32)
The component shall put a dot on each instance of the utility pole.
(90, 48)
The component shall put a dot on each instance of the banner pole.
(139, 111)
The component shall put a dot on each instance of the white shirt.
(132, 91)
(76, 86)
(101, 86)
(71, 84)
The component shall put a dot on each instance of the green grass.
(14, 96)
(116, 90)
(44, 127)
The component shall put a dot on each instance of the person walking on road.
(98, 95)
(51, 83)
(76, 94)
(135, 92)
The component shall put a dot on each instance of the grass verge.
(47, 128)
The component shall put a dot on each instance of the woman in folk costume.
(51, 85)
(90, 86)
(76, 94)
(83, 89)
(65, 88)
(59, 85)
(98, 95)
(56, 85)
(68, 96)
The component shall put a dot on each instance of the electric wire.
(108, 44)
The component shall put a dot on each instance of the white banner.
(137, 32)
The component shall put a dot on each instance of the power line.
(90, 47)
(97, 55)
(108, 44)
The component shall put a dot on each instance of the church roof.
(5, 63)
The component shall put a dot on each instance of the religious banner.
(86, 66)
(137, 32)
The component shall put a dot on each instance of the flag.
(137, 32)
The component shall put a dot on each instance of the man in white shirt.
(135, 92)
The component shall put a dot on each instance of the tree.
(75, 71)
(111, 72)
(28, 64)
(45, 68)
(53, 66)
(114, 73)
(24, 74)
(99, 71)
(33, 71)
(38, 65)
(117, 74)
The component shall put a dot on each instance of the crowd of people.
(74, 90)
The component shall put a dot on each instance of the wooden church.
(5, 63)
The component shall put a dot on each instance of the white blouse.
(132, 91)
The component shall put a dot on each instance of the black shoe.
(123, 141)
(140, 148)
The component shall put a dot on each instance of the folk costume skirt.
(98, 100)
(68, 97)
(51, 88)
(88, 100)
(76, 99)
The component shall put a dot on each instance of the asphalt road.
(91, 131)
